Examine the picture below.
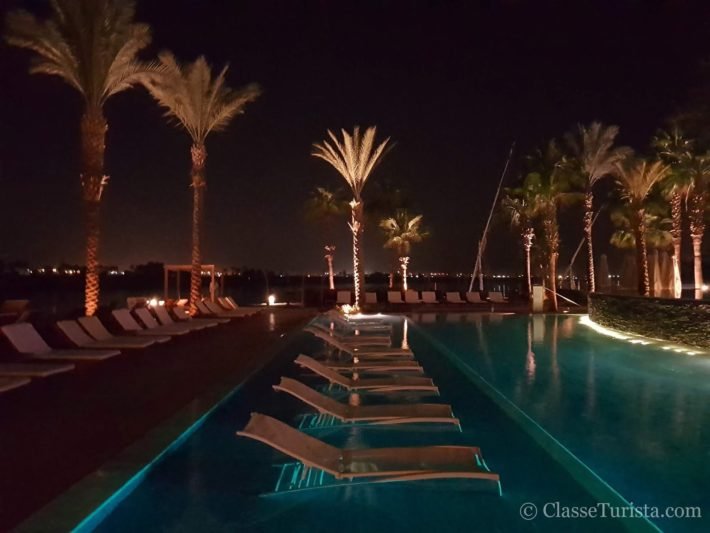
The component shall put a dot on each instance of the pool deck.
(58, 430)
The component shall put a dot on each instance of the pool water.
(636, 417)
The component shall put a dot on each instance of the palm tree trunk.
(677, 239)
(644, 284)
(329, 258)
(391, 280)
(93, 182)
(528, 236)
(552, 236)
(696, 213)
(357, 228)
(588, 222)
(199, 156)
(403, 262)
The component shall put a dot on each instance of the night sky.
(452, 83)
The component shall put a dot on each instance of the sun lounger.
(164, 318)
(375, 366)
(361, 339)
(8, 384)
(474, 298)
(354, 349)
(363, 324)
(384, 384)
(211, 309)
(27, 341)
(77, 336)
(411, 297)
(231, 301)
(96, 329)
(34, 370)
(394, 297)
(497, 298)
(13, 311)
(429, 297)
(150, 323)
(378, 464)
(182, 316)
(376, 414)
(129, 324)
(226, 304)
(370, 297)
(343, 298)
(454, 298)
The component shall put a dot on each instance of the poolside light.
(705, 288)
(153, 302)
(271, 299)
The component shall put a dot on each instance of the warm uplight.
(153, 302)
(705, 288)
(271, 299)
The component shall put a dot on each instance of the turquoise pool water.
(637, 418)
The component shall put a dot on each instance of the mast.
(478, 268)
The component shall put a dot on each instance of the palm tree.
(200, 104)
(699, 174)
(675, 150)
(401, 232)
(521, 212)
(635, 179)
(92, 46)
(595, 159)
(324, 206)
(658, 228)
(354, 158)
(548, 185)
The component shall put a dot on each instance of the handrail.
(563, 297)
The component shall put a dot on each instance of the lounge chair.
(77, 336)
(375, 366)
(27, 341)
(96, 329)
(13, 311)
(429, 297)
(355, 349)
(10, 383)
(474, 298)
(360, 339)
(384, 384)
(182, 316)
(226, 303)
(497, 298)
(129, 324)
(231, 301)
(376, 414)
(34, 370)
(150, 323)
(411, 297)
(363, 324)
(343, 298)
(370, 297)
(378, 464)
(210, 309)
(454, 298)
(161, 313)
(394, 297)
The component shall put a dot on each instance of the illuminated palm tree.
(401, 232)
(595, 158)
(354, 158)
(92, 46)
(324, 206)
(699, 174)
(521, 212)
(200, 104)
(658, 228)
(635, 179)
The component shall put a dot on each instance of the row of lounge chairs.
(366, 364)
(427, 297)
(93, 341)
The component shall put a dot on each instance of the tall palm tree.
(675, 150)
(92, 46)
(658, 226)
(549, 184)
(635, 179)
(354, 158)
(200, 104)
(699, 175)
(595, 158)
(402, 231)
(521, 211)
(324, 206)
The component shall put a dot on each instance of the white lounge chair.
(384, 384)
(474, 298)
(363, 324)
(343, 298)
(375, 414)
(162, 315)
(411, 297)
(77, 336)
(394, 297)
(210, 309)
(182, 316)
(150, 323)
(363, 339)
(227, 304)
(375, 366)
(10, 383)
(497, 298)
(429, 297)
(27, 341)
(377, 464)
(96, 329)
(454, 298)
(357, 350)
(129, 324)
(34, 370)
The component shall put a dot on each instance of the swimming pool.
(571, 386)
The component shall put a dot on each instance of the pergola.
(167, 269)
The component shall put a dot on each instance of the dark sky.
(452, 83)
